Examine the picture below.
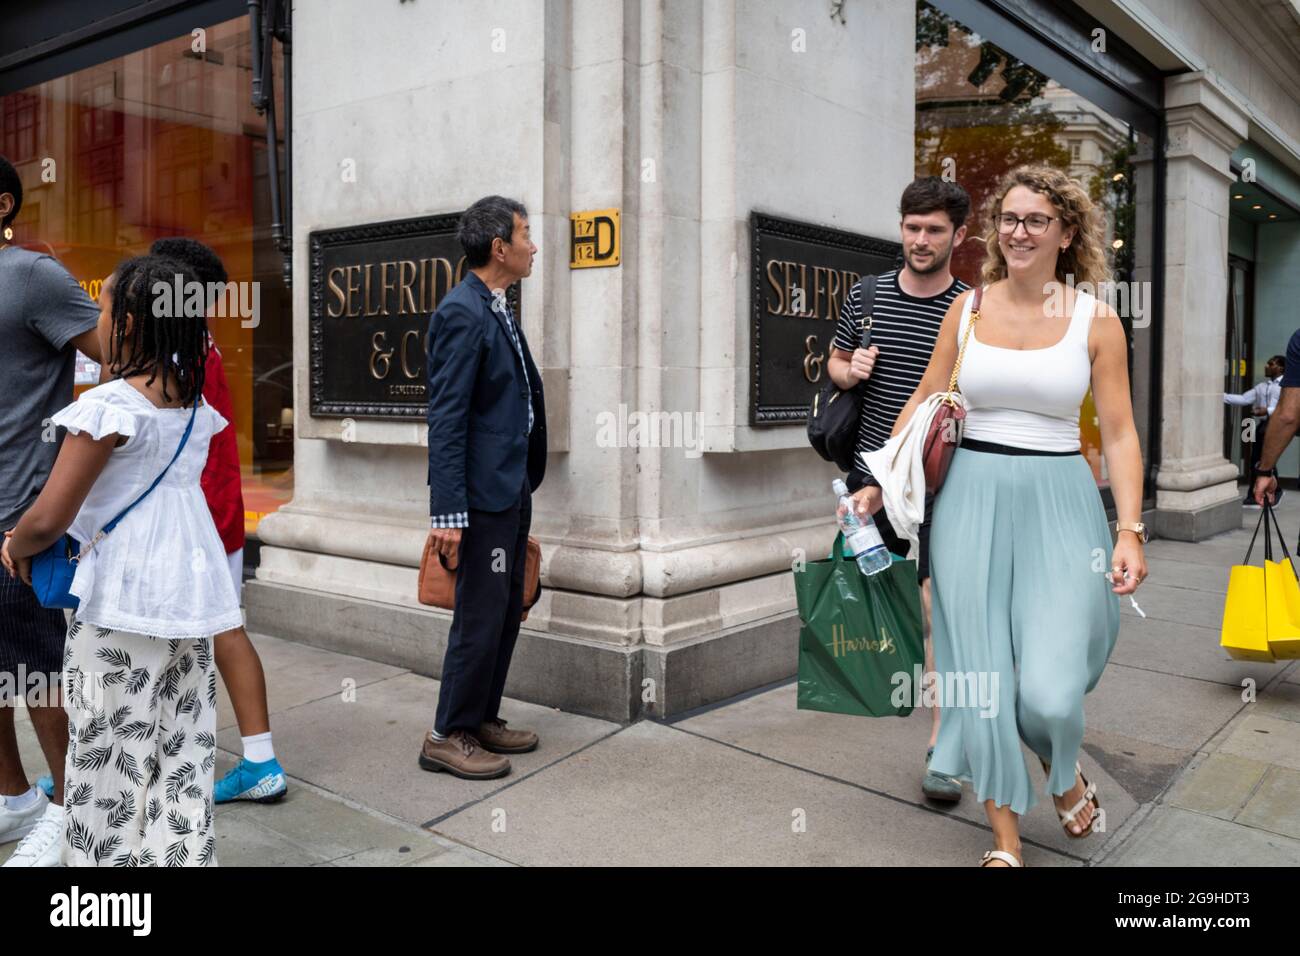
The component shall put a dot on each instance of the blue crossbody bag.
(55, 567)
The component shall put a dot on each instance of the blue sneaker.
(46, 783)
(260, 782)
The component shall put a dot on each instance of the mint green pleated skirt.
(1023, 617)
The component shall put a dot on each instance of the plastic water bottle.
(860, 533)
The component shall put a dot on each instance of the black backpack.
(834, 413)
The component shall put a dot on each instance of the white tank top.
(1028, 398)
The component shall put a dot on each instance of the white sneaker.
(16, 824)
(44, 845)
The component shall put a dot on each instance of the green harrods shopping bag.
(858, 632)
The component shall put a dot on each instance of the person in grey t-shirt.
(45, 317)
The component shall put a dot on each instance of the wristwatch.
(1265, 472)
(1137, 527)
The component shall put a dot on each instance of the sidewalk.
(1189, 774)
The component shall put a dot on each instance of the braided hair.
(168, 333)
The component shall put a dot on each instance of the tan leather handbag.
(438, 580)
(945, 427)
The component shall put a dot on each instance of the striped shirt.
(904, 328)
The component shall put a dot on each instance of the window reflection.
(981, 112)
(165, 142)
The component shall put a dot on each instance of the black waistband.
(974, 444)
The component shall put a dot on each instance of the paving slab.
(324, 828)
(655, 795)
(365, 749)
(464, 857)
(1275, 805)
(1280, 699)
(1184, 574)
(245, 841)
(1218, 784)
(1221, 552)
(1184, 650)
(885, 755)
(1171, 836)
(297, 674)
(1142, 769)
(1164, 602)
(1179, 713)
(1266, 739)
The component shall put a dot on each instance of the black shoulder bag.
(834, 413)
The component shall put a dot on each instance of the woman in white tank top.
(1027, 575)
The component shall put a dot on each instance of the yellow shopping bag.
(1245, 626)
(1261, 615)
(1282, 601)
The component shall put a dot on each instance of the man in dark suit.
(487, 454)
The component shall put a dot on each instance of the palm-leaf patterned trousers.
(141, 749)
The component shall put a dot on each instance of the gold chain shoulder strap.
(974, 316)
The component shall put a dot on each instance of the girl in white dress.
(138, 676)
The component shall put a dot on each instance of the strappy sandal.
(1008, 858)
(1089, 796)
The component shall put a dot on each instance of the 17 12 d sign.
(373, 290)
(801, 275)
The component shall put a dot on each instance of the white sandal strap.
(1002, 855)
(1089, 793)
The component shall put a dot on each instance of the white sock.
(437, 736)
(21, 801)
(258, 749)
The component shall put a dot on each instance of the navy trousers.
(485, 624)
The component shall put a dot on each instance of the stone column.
(1143, 384)
(1196, 489)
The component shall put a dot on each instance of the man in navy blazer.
(487, 454)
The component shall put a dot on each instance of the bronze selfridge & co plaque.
(801, 275)
(373, 290)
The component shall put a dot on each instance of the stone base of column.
(1200, 523)
(619, 682)
(1197, 500)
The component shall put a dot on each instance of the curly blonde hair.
(1085, 259)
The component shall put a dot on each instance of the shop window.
(981, 112)
(158, 143)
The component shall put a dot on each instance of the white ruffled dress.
(162, 572)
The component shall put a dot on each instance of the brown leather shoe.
(494, 736)
(461, 756)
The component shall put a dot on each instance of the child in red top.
(220, 480)
(258, 776)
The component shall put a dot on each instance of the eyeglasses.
(1035, 223)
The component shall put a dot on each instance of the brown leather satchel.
(946, 426)
(438, 580)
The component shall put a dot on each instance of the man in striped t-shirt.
(909, 307)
